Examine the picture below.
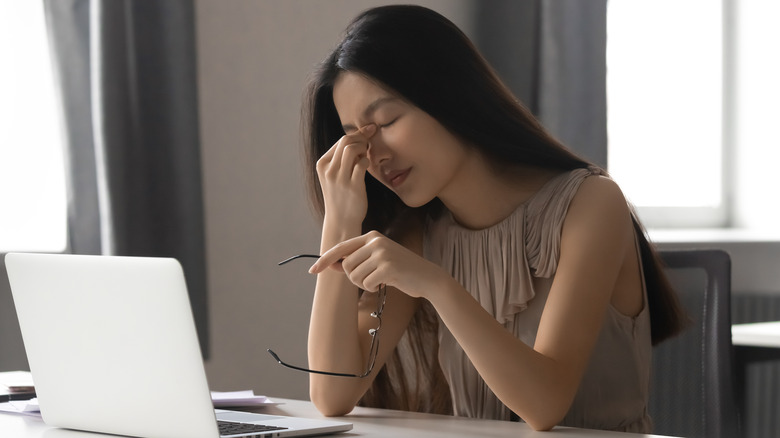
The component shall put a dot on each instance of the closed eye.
(389, 123)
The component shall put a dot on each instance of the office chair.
(692, 381)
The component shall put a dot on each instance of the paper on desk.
(220, 399)
(17, 381)
(24, 407)
(240, 398)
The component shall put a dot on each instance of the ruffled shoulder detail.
(544, 217)
(489, 263)
(497, 264)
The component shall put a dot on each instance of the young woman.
(518, 281)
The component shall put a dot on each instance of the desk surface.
(759, 334)
(367, 422)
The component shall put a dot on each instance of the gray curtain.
(127, 82)
(552, 54)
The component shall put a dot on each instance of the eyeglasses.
(374, 332)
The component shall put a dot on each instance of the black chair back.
(692, 384)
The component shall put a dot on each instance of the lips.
(395, 178)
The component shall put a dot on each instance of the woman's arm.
(340, 320)
(540, 383)
(537, 383)
(339, 339)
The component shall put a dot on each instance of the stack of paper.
(220, 399)
(17, 393)
(17, 381)
(16, 385)
(240, 398)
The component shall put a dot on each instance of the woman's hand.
(341, 172)
(372, 259)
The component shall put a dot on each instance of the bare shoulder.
(599, 195)
(599, 211)
(599, 187)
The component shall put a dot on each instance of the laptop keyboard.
(227, 428)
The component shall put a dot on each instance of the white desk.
(753, 343)
(367, 422)
(759, 334)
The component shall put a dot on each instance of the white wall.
(254, 58)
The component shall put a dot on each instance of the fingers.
(360, 169)
(354, 154)
(346, 158)
(368, 130)
(357, 250)
(368, 280)
(358, 266)
(351, 158)
(336, 254)
(356, 258)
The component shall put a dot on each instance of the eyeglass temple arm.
(299, 256)
(326, 373)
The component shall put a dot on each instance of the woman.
(518, 281)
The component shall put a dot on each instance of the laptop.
(112, 348)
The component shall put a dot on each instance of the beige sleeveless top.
(509, 269)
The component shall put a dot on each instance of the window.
(692, 90)
(664, 82)
(32, 179)
(756, 114)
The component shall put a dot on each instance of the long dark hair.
(424, 58)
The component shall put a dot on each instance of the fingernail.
(368, 130)
(312, 269)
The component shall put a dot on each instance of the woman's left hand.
(373, 259)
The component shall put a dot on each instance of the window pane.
(32, 192)
(664, 85)
(757, 70)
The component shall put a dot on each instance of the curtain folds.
(128, 89)
(552, 54)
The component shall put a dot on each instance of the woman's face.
(410, 153)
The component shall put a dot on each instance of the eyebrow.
(370, 109)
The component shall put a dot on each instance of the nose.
(378, 151)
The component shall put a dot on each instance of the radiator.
(763, 378)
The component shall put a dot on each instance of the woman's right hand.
(341, 172)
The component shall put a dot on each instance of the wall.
(12, 355)
(254, 58)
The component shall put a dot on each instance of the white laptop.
(112, 348)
